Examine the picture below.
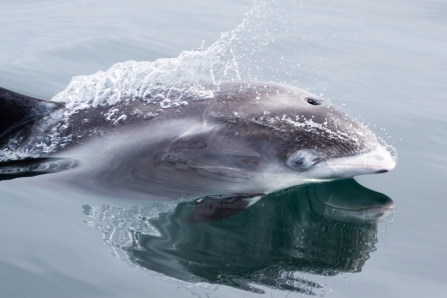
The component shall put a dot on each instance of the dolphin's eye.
(313, 101)
(302, 160)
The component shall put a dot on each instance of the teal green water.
(383, 62)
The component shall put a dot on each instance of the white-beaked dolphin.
(245, 137)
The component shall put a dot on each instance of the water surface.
(384, 62)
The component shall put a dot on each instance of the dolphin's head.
(335, 145)
(307, 133)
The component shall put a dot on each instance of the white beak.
(378, 160)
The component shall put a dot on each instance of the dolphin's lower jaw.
(378, 160)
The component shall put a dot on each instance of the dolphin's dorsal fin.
(16, 109)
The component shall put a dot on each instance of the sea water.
(383, 62)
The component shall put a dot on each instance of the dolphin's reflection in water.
(325, 229)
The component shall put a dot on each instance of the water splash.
(193, 75)
(169, 82)
(388, 147)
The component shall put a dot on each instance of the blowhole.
(313, 101)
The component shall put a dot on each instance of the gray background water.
(384, 61)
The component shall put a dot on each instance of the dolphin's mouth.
(378, 160)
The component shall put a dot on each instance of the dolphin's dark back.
(16, 110)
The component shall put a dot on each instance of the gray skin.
(246, 139)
